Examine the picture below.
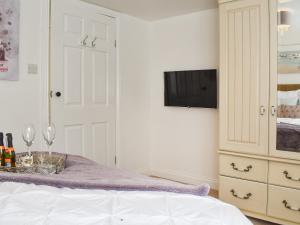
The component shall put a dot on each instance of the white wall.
(21, 100)
(134, 89)
(291, 37)
(175, 143)
(184, 142)
(291, 78)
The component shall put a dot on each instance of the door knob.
(58, 94)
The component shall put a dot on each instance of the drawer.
(284, 174)
(246, 195)
(245, 168)
(284, 203)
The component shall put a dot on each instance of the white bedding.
(294, 121)
(23, 204)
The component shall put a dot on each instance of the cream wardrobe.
(256, 177)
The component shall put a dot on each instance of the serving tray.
(43, 163)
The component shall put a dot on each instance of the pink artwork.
(9, 39)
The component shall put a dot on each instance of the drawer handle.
(248, 168)
(286, 205)
(245, 197)
(287, 176)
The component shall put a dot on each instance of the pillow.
(287, 94)
(288, 97)
(288, 111)
(293, 101)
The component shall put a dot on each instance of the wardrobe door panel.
(244, 76)
(284, 80)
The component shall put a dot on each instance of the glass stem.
(49, 151)
(50, 154)
(28, 150)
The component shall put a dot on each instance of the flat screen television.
(195, 88)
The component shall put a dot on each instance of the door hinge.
(115, 160)
(115, 43)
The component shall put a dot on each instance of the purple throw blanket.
(82, 173)
(288, 137)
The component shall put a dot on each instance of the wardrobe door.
(244, 76)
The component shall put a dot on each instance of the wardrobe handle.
(236, 195)
(248, 168)
(273, 111)
(286, 205)
(262, 110)
(287, 176)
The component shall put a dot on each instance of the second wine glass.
(49, 135)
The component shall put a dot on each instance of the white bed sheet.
(24, 204)
(294, 121)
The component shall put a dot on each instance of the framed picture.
(9, 39)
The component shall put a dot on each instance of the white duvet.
(23, 204)
(293, 121)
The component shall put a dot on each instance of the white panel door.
(244, 79)
(84, 73)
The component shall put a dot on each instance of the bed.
(27, 201)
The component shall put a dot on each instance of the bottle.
(7, 158)
(11, 151)
(2, 150)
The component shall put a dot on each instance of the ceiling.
(156, 9)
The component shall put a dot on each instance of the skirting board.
(182, 178)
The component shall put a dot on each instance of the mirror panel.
(288, 102)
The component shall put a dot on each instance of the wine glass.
(49, 135)
(28, 137)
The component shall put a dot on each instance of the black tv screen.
(197, 88)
